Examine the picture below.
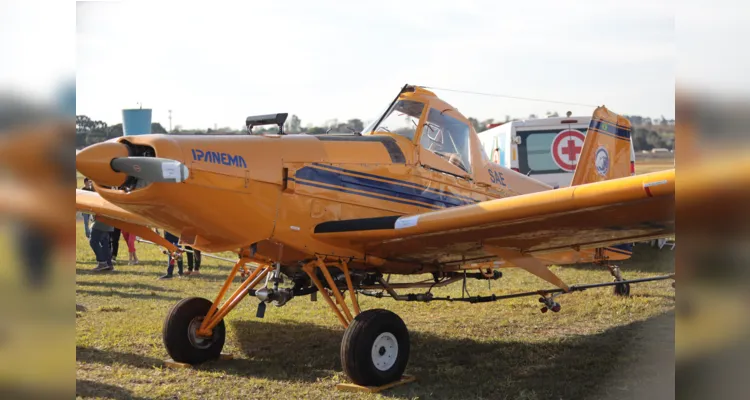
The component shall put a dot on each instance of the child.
(170, 269)
(130, 240)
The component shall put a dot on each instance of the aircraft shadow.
(86, 388)
(630, 361)
(120, 285)
(583, 366)
(127, 295)
(90, 355)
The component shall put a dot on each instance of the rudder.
(607, 151)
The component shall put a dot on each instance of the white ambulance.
(546, 149)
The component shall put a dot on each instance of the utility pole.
(170, 121)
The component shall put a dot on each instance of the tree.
(356, 124)
(475, 123)
(83, 123)
(655, 140)
(293, 125)
(640, 141)
(157, 128)
(551, 114)
(114, 131)
(532, 116)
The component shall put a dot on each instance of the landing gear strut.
(194, 330)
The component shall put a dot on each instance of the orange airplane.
(413, 193)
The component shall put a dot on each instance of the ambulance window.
(538, 153)
(447, 137)
(402, 119)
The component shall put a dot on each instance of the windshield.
(447, 137)
(401, 119)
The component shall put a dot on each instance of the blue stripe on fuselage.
(467, 199)
(375, 187)
(370, 195)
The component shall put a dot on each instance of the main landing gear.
(375, 346)
(374, 349)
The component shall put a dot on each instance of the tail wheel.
(622, 289)
(179, 333)
(375, 348)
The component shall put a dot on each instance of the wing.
(92, 203)
(532, 225)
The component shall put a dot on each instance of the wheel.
(180, 339)
(622, 289)
(375, 348)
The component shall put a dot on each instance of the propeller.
(151, 169)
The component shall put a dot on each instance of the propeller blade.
(152, 169)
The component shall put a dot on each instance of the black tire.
(622, 289)
(185, 347)
(359, 343)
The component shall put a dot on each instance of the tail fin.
(607, 151)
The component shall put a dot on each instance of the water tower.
(136, 121)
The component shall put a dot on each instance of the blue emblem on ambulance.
(602, 161)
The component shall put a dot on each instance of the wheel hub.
(199, 342)
(384, 351)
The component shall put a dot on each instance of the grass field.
(598, 346)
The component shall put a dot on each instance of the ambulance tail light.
(632, 168)
(516, 169)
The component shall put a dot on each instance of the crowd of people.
(105, 242)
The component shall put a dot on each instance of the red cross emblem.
(566, 149)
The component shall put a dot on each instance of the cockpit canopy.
(420, 116)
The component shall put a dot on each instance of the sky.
(215, 63)
(37, 47)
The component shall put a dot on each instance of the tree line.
(647, 133)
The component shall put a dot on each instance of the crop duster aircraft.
(413, 193)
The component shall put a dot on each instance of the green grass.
(645, 164)
(598, 346)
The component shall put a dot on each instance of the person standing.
(170, 268)
(100, 243)
(130, 240)
(87, 186)
(194, 259)
(115, 243)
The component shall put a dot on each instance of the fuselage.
(272, 190)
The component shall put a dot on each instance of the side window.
(402, 119)
(538, 153)
(448, 138)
